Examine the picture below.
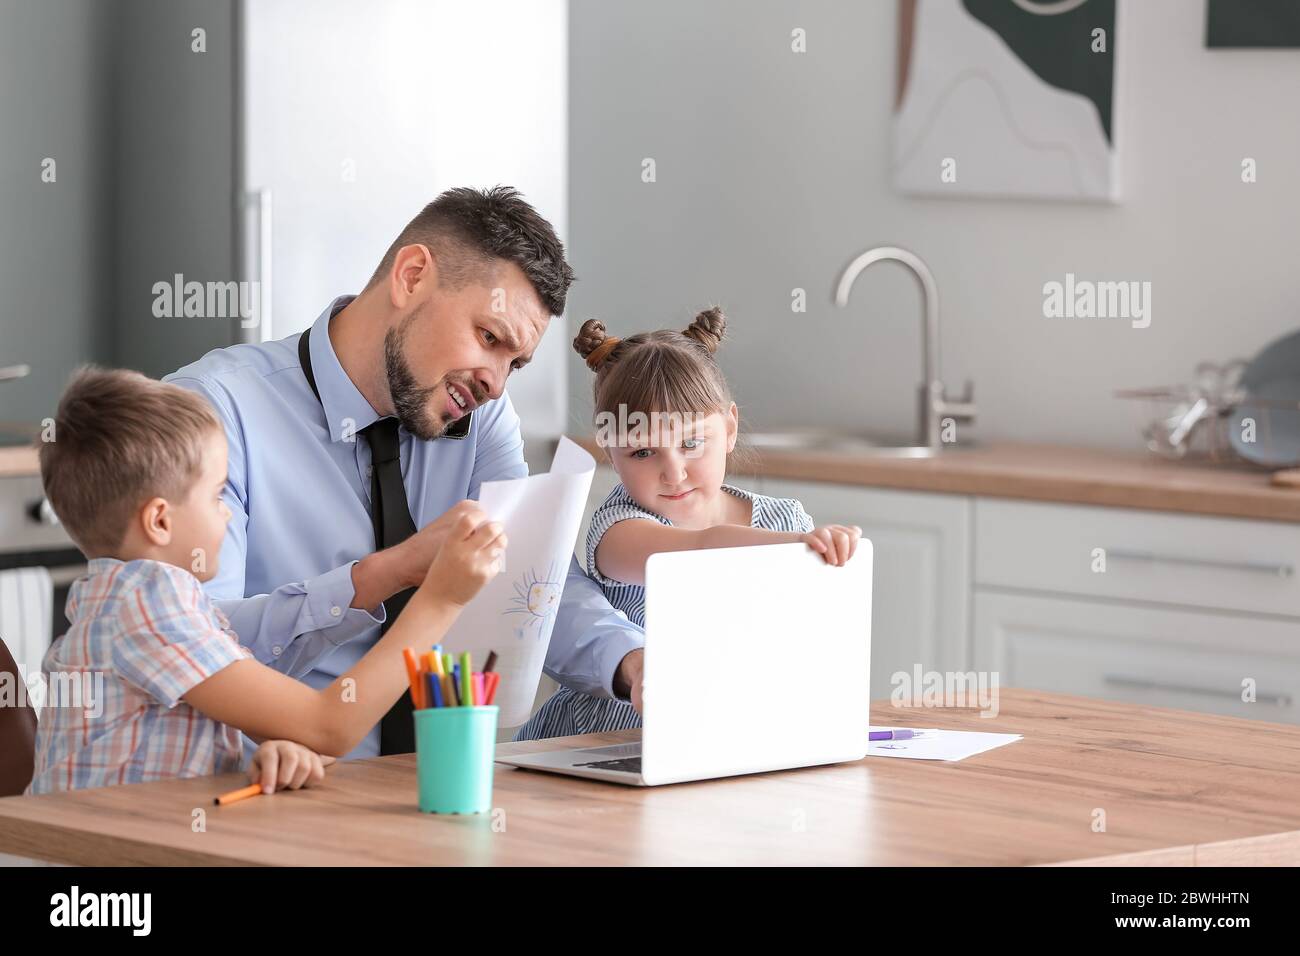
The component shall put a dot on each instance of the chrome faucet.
(934, 403)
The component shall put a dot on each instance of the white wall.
(773, 172)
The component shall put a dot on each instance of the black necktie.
(391, 516)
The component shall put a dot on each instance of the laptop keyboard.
(625, 764)
(614, 750)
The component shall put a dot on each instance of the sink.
(831, 441)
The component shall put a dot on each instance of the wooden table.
(1176, 788)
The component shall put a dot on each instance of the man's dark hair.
(467, 228)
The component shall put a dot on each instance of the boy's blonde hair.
(120, 439)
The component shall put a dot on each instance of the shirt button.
(276, 650)
(335, 611)
(369, 471)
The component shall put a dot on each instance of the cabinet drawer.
(1222, 563)
(921, 573)
(1159, 657)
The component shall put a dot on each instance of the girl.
(676, 425)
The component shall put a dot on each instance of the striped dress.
(572, 712)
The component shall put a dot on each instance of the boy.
(135, 473)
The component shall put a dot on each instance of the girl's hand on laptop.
(834, 542)
(469, 557)
(285, 765)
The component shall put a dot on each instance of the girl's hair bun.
(594, 344)
(707, 329)
(589, 337)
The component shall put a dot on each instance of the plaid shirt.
(151, 632)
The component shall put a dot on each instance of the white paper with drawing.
(514, 613)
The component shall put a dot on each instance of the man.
(378, 421)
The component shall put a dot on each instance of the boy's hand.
(418, 551)
(834, 542)
(285, 765)
(469, 557)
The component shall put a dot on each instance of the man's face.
(455, 348)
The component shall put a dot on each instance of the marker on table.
(894, 734)
(243, 793)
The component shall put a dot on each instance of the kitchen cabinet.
(1193, 611)
(1169, 610)
(1161, 657)
(921, 589)
(1229, 564)
(921, 574)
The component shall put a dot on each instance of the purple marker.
(894, 734)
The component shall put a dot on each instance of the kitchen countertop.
(1056, 473)
(1032, 472)
(18, 461)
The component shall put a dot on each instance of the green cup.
(454, 747)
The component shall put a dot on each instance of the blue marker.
(435, 689)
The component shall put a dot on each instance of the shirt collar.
(94, 568)
(99, 565)
(347, 411)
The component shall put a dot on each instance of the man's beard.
(410, 399)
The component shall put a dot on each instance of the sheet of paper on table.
(514, 613)
(938, 744)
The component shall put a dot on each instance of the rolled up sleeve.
(590, 638)
(298, 623)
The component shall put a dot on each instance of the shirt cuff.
(615, 645)
(329, 610)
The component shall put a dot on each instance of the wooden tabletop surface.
(19, 461)
(1037, 472)
(1175, 788)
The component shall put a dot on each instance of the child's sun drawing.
(536, 599)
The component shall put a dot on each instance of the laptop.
(756, 659)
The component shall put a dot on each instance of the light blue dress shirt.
(299, 492)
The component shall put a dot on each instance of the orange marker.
(490, 686)
(413, 675)
(234, 796)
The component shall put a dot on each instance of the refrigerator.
(291, 150)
